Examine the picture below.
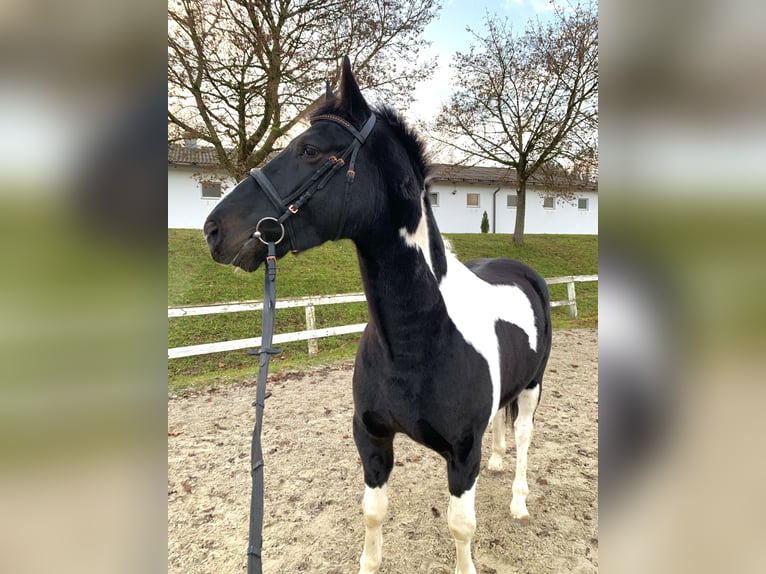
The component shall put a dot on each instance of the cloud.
(432, 93)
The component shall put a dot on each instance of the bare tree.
(529, 102)
(242, 73)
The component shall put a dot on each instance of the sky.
(448, 34)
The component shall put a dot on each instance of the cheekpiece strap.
(266, 185)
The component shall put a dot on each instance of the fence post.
(572, 299)
(310, 326)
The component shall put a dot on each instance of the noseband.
(291, 204)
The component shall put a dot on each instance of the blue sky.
(448, 34)
(448, 30)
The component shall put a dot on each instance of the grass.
(194, 279)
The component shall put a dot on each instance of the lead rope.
(300, 196)
(256, 454)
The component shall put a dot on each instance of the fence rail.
(311, 334)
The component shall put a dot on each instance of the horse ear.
(352, 101)
(329, 95)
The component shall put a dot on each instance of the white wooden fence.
(311, 334)
(571, 299)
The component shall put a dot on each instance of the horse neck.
(401, 272)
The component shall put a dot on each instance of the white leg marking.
(374, 507)
(498, 442)
(461, 518)
(527, 403)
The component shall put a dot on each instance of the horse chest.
(435, 395)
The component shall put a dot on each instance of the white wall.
(454, 216)
(186, 207)
(188, 210)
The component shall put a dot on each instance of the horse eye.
(309, 151)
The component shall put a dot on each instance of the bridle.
(295, 200)
(289, 206)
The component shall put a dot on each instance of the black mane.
(409, 138)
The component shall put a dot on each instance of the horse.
(447, 345)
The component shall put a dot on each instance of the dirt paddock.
(313, 481)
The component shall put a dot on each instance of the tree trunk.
(521, 208)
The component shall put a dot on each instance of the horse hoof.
(522, 519)
(519, 513)
(368, 567)
(495, 463)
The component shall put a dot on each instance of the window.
(472, 200)
(433, 197)
(582, 203)
(511, 200)
(211, 189)
(549, 202)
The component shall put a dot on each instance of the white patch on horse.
(419, 239)
(461, 519)
(475, 306)
(374, 507)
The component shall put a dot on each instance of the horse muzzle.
(222, 251)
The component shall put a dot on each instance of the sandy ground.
(313, 520)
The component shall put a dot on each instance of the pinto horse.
(447, 345)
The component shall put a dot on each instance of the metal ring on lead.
(259, 235)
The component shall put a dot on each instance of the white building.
(195, 184)
(460, 195)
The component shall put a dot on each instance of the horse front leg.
(377, 455)
(461, 518)
(522, 426)
(374, 508)
(461, 513)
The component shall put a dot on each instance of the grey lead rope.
(300, 196)
(255, 543)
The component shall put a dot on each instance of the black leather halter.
(292, 203)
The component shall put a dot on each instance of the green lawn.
(194, 279)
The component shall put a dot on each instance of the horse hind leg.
(495, 463)
(377, 455)
(526, 404)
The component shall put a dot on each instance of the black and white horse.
(447, 345)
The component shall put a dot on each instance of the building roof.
(180, 154)
(504, 176)
(205, 156)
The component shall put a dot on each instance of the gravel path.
(313, 520)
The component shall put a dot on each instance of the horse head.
(302, 197)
